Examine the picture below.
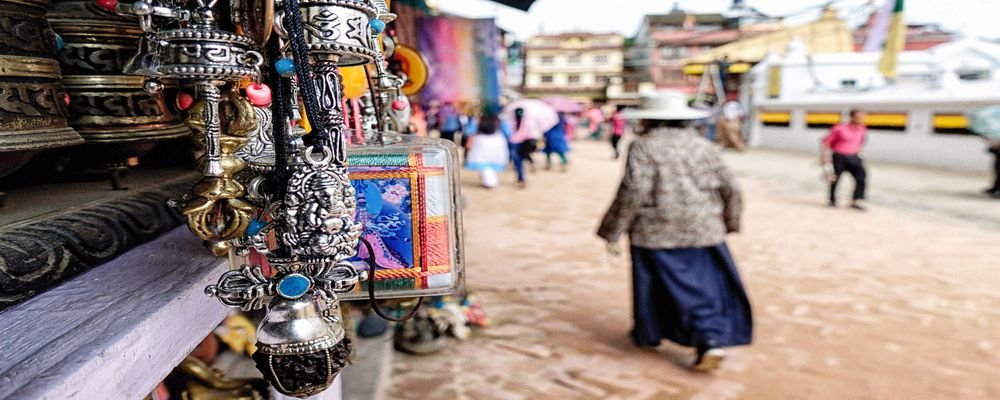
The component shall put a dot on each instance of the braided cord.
(303, 69)
(280, 110)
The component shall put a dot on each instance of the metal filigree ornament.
(310, 233)
(193, 49)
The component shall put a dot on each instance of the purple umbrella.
(563, 104)
(538, 118)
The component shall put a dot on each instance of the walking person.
(677, 201)
(994, 191)
(841, 152)
(523, 144)
(618, 124)
(488, 151)
(986, 123)
(730, 126)
(556, 143)
(449, 121)
(595, 119)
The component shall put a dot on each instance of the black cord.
(280, 112)
(307, 85)
(372, 267)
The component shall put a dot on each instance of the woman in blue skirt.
(677, 201)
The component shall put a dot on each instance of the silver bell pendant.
(301, 345)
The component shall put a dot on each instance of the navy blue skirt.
(690, 296)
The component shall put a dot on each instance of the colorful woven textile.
(406, 206)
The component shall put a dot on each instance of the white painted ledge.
(115, 331)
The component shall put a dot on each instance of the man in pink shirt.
(618, 123)
(841, 150)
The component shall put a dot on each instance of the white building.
(917, 120)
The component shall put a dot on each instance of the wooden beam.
(113, 332)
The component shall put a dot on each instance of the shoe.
(995, 195)
(831, 204)
(372, 326)
(858, 207)
(709, 360)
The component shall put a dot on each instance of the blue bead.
(377, 25)
(285, 67)
(254, 227)
(60, 43)
(293, 286)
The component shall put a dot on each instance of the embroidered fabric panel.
(404, 203)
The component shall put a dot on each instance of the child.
(488, 151)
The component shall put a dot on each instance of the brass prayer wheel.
(33, 113)
(107, 106)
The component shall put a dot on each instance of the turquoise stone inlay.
(293, 286)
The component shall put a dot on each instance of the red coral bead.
(109, 5)
(399, 105)
(184, 100)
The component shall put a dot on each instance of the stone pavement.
(888, 304)
(931, 192)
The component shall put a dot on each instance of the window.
(601, 59)
(667, 53)
(574, 79)
(973, 75)
(546, 78)
(573, 59)
(546, 59)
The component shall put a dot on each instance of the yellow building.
(576, 64)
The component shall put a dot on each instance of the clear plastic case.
(409, 202)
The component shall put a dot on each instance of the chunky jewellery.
(106, 106)
(195, 50)
(34, 115)
(287, 201)
(217, 210)
(319, 210)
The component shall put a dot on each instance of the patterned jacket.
(676, 193)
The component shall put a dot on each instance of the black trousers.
(853, 165)
(996, 170)
(615, 140)
(448, 135)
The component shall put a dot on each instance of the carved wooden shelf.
(115, 331)
(51, 233)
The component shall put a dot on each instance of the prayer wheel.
(33, 112)
(107, 106)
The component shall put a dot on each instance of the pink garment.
(618, 123)
(529, 130)
(846, 139)
(595, 117)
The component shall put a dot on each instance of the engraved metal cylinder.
(330, 90)
(299, 350)
(33, 114)
(206, 54)
(107, 106)
(339, 29)
(382, 10)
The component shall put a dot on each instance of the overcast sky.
(972, 17)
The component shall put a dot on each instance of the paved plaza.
(900, 302)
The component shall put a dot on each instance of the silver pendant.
(319, 208)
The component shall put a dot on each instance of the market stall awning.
(522, 5)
